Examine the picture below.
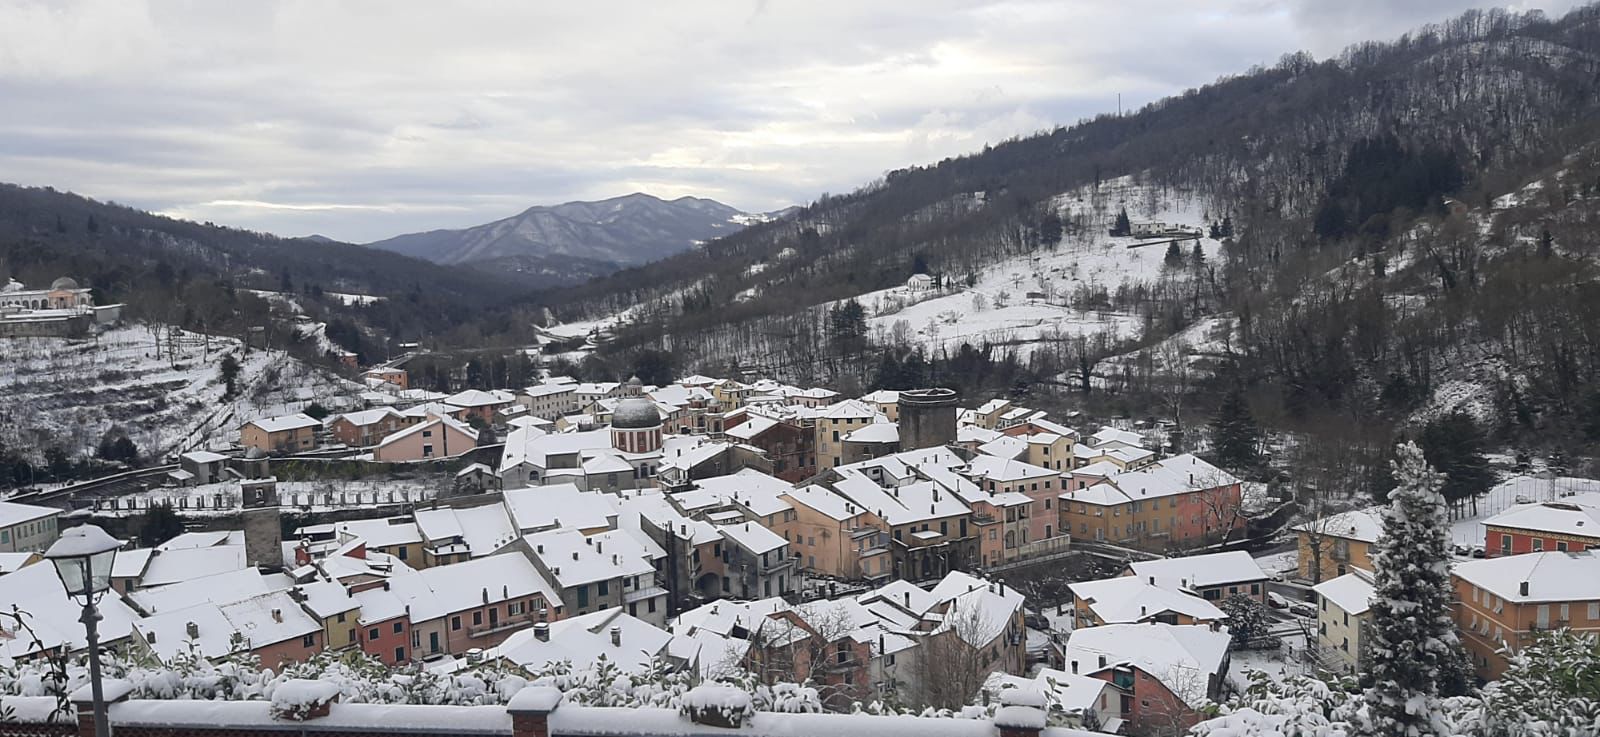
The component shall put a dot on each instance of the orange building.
(1502, 604)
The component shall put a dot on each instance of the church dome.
(65, 282)
(635, 413)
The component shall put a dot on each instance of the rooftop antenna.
(1119, 104)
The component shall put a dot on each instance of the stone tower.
(927, 418)
(263, 533)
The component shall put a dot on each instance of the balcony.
(506, 623)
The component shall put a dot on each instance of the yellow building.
(1337, 543)
(836, 421)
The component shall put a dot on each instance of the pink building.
(439, 437)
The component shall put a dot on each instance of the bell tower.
(263, 532)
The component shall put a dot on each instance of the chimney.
(574, 555)
(1152, 580)
(541, 631)
(588, 541)
(486, 594)
(1524, 588)
(1002, 587)
(615, 560)
(600, 547)
(908, 599)
(277, 615)
(616, 635)
(193, 630)
(150, 636)
(505, 591)
(539, 548)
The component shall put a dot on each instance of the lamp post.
(82, 558)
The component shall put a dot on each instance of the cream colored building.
(1343, 604)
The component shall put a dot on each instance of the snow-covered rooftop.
(1550, 576)
(1351, 592)
(1182, 657)
(1577, 515)
(753, 537)
(1200, 571)
(1130, 599)
(284, 422)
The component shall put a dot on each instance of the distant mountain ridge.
(585, 236)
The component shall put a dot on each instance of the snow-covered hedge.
(1552, 689)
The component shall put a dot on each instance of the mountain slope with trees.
(1410, 232)
(576, 240)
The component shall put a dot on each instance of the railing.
(1046, 546)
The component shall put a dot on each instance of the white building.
(26, 528)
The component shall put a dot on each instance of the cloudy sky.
(362, 120)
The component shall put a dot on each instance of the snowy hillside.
(1052, 293)
(165, 391)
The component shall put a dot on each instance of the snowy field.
(165, 391)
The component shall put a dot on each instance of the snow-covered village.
(983, 369)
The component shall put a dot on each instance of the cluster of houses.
(1538, 569)
(704, 523)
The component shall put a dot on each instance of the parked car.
(1462, 549)
(1276, 600)
(1303, 608)
(1478, 551)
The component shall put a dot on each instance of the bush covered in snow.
(359, 678)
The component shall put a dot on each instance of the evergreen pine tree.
(1123, 226)
(1235, 438)
(1546, 243)
(1174, 258)
(1199, 255)
(1412, 641)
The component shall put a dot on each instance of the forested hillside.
(207, 278)
(1372, 271)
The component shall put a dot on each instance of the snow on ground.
(1278, 663)
(1283, 562)
(354, 299)
(322, 495)
(998, 309)
(165, 390)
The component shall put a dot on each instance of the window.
(652, 605)
(372, 634)
(1594, 610)
(477, 618)
(340, 618)
(843, 654)
(1538, 544)
(1561, 546)
(583, 596)
(403, 551)
(1505, 543)
(399, 627)
(399, 655)
(1255, 589)
(455, 623)
(309, 640)
(427, 433)
(1047, 501)
(515, 608)
(427, 450)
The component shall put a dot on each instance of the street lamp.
(82, 558)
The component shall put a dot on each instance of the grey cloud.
(415, 115)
